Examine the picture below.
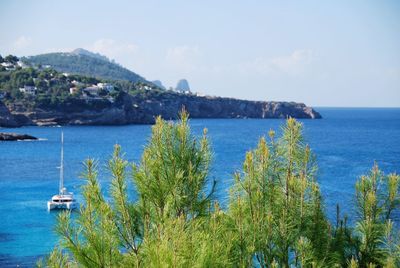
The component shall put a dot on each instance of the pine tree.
(173, 222)
(377, 196)
(275, 216)
(277, 206)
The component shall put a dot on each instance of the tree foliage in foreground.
(275, 216)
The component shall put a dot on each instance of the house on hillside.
(77, 83)
(8, 65)
(106, 86)
(22, 65)
(199, 94)
(29, 90)
(73, 90)
(91, 91)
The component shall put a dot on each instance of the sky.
(322, 53)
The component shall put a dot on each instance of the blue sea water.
(346, 142)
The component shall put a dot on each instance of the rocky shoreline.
(15, 137)
(143, 108)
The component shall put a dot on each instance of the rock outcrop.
(15, 137)
(145, 107)
(182, 86)
(6, 118)
(159, 84)
(168, 106)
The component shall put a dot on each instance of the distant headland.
(84, 88)
(15, 137)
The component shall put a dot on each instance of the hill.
(44, 96)
(182, 86)
(84, 62)
(81, 51)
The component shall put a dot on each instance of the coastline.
(144, 108)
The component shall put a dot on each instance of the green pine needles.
(275, 216)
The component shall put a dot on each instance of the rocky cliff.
(6, 118)
(182, 86)
(15, 137)
(144, 107)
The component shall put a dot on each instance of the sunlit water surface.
(346, 142)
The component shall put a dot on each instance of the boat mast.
(62, 165)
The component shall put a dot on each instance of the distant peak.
(182, 85)
(81, 51)
(159, 84)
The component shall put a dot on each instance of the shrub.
(275, 217)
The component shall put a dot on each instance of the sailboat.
(64, 199)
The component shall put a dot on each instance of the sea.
(346, 142)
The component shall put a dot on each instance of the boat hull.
(61, 206)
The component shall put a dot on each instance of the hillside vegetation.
(84, 63)
(41, 95)
(52, 88)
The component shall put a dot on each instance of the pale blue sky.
(323, 53)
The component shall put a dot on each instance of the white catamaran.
(63, 200)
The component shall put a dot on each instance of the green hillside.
(86, 63)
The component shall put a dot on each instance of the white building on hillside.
(22, 64)
(77, 83)
(73, 90)
(105, 86)
(8, 65)
(92, 90)
(30, 90)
